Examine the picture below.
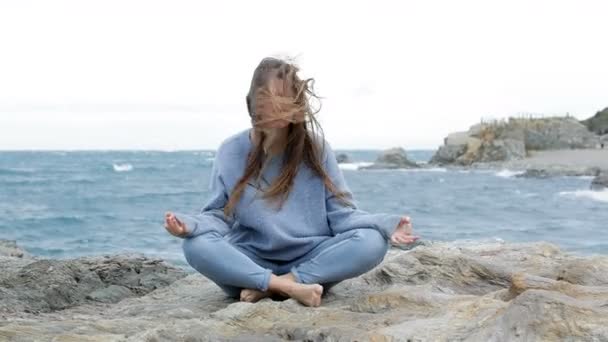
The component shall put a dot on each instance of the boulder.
(394, 158)
(458, 291)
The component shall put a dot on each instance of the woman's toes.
(252, 296)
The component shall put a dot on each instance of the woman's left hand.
(403, 233)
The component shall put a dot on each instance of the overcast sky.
(173, 74)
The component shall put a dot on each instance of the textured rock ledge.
(471, 291)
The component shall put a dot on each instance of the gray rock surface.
(459, 291)
(35, 285)
(394, 158)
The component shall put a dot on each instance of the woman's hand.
(174, 226)
(403, 233)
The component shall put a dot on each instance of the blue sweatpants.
(232, 268)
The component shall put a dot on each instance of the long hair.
(292, 102)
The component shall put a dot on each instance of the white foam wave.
(601, 196)
(425, 169)
(353, 166)
(122, 167)
(508, 173)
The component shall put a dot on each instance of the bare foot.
(307, 294)
(252, 296)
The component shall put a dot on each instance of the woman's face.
(267, 112)
(265, 109)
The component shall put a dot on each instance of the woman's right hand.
(174, 226)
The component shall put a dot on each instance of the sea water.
(69, 204)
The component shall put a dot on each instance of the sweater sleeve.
(211, 217)
(342, 218)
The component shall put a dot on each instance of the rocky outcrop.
(34, 285)
(598, 123)
(501, 150)
(342, 158)
(600, 182)
(513, 139)
(394, 158)
(436, 292)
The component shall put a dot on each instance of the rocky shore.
(464, 291)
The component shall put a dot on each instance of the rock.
(458, 291)
(558, 171)
(598, 123)
(558, 133)
(110, 294)
(600, 182)
(502, 150)
(342, 158)
(535, 173)
(48, 285)
(448, 154)
(457, 139)
(512, 139)
(394, 158)
(9, 248)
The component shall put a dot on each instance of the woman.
(281, 218)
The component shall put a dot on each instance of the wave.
(49, 220)
(16, 171)
(122, 167)
(601, 196)
(508, 173)
(148, 195)
(25, 182)
(424, 169)
(353, 166)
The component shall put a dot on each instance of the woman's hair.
(276, 85)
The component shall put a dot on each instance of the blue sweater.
(310, 215)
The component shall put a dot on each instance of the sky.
(172, 75)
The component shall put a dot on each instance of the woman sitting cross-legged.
(280, 218)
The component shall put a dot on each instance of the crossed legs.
(241, 274)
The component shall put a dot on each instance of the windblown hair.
(292, 102)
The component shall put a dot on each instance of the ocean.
(69, 204)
